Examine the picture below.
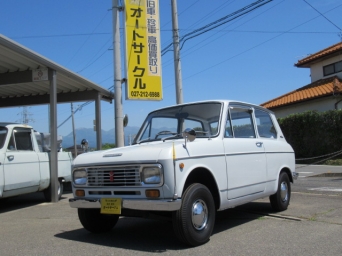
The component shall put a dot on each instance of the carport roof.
(17, 88)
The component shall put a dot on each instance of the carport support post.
(98, 121)
(53, 131)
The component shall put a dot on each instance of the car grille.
(123, 176)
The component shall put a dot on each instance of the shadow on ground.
(158, 236)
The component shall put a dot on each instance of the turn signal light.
(79, 193)
(154, 193)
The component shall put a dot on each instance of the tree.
(108, 145)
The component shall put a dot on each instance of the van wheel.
(95, 222)
(281, 200)
(193, 223)
(47, 192)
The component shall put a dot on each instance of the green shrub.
(333, 162)
(313, 134)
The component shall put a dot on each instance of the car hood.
(146, 152)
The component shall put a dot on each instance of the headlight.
(80, 177)
(151, 175)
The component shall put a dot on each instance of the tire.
(193, 223)
(47, 192)
(281, 199)
(95, 222)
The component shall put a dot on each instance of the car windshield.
(3, 133)
(169, 123)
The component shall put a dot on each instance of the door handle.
(10, 158)
(259, 144)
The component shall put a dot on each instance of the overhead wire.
(323, 15)
(87, 38)
(257, 45)
(227, 25)
(217, 23)
(203, 18)
(220, 24)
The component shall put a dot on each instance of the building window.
(332, 68)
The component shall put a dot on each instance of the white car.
(187, 162)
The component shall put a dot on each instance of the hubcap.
(199, 214)
(59, 189)
(283, 191)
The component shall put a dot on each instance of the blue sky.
(250, 58)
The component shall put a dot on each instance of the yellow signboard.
(110, 205)
(143, 59)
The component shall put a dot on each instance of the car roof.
(7, 124)
(216, 101)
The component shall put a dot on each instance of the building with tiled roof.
(323, 93)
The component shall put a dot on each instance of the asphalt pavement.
(312, 225)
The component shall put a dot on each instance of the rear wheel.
(95, 222)
(281, 199)
(193, 223)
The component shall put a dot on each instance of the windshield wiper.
(173, 136)
(144, 140)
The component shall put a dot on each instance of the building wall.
(316, 70)
(319, 105)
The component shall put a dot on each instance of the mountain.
(90, 135)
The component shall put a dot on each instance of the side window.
(3, 133)
(228, 130)
(196, 125)
(265, 125)
(11, 144)
(213, 127)
(23, 139)
(242, 122)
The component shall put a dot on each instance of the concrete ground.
(312, 225)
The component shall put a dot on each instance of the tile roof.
(334, 49)
(317, 89)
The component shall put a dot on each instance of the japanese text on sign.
(143, 60)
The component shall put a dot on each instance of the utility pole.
(176, 53)
(119, 131)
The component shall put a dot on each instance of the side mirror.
(189, 135)
(125, 120)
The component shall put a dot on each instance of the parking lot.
(312, 225)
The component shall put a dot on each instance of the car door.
(274, 148)
(245, 154)
(21, 165)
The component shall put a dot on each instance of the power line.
(219, 22)
(77, 109)
(323, 15)
(87, 38)
(253, 47)
(91, 62)
(205, 17)
(60, 35)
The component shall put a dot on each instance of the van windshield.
(169, 123)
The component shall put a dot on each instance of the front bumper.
(145, 205)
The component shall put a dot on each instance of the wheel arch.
(288, 172)
(204, 176)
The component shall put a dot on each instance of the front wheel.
(193, 223)
(95, 222)
(281, 199)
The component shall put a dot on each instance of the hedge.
(313, 134)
